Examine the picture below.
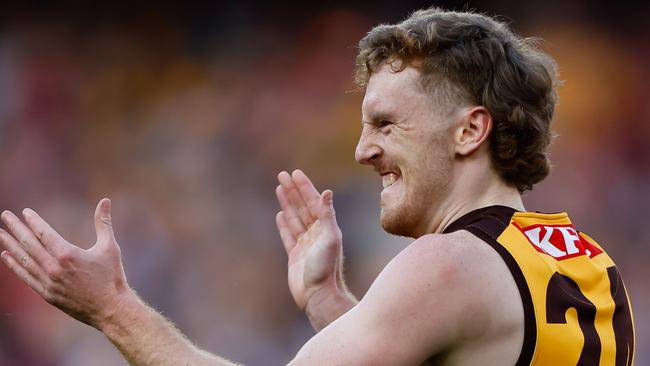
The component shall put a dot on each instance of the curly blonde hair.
(477, 59)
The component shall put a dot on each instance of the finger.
(12, 245)
(104, 223)
(307, 191)
(22, 273)
(295, 199)
(287, 237)
(327, 213)
(17, 251)
(49, 238)
(26, 238)
(294, 223)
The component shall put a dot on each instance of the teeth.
(388, 179)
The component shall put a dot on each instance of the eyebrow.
(379, 116)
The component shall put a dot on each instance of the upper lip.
(386, 172)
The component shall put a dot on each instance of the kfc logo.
(559, 241)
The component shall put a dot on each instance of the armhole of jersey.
(530, 327)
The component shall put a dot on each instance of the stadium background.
(183, 115)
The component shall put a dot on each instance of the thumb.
(327, 207)
(103, 222)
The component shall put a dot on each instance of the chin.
(398, 222)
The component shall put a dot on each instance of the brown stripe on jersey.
(487, 224)
(623, 326)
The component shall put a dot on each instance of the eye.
(382, 124)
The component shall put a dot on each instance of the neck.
(472, 191)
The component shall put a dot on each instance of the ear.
(474, 128)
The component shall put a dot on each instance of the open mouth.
(388, 179)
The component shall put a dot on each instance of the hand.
(85, 284)
(311, 237)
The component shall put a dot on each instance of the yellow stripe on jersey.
(576, 306)
(570, 290)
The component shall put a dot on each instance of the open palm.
(311, 236)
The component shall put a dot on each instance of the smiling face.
(408, 138)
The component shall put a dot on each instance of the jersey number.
(563, 293)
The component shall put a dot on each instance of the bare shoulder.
(464, 279)
(448, 296)
(460, 257)
(467, 265)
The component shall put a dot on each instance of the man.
(456, 120)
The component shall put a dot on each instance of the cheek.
(432, 153)
(431, 168)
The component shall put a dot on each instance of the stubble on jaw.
(429, 184)
(420, 149)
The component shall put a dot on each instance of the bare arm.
(312, 239)
(145, 337)
(415, 309)
(90, 285)
(426, 301)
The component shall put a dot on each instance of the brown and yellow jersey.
(577, 311)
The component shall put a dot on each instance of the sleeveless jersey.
(577, 311)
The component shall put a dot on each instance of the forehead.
(390, 92)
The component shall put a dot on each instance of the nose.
(367, 151)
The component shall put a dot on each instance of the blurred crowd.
(183, 116)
